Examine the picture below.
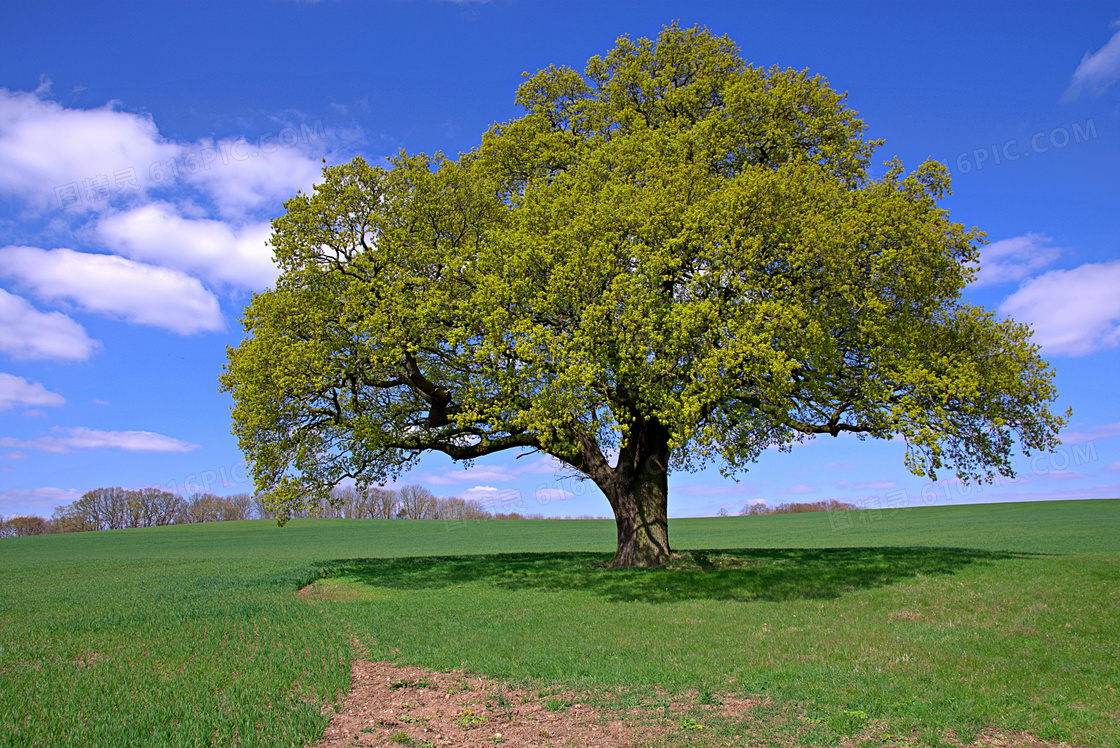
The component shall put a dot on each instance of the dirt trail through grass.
(391, 705)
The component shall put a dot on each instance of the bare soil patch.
(990, 738)
(1008, 739)
(392, 706)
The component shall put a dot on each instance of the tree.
(383, 504)
(239, 506)
(152, 507)
(22, 526)
(671, 259)
(200, 507)
(416, 502)
(108, 508)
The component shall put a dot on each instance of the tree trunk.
(641, 517)
(638, 490)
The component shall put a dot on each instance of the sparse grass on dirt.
(949, 626)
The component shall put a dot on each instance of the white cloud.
(543, 465)
(44, 146)
(54, 157)
(18, 391)
(512, 472)
(1014, 259)
(1113, 467)
(83, 438)
(116, 287)
(491, 497)
(1097, 71)
(217, 251)
(435, 480)
(546, 495)
(26, 333)
(1073, 312)
(1102, 431)
(35, 500)
(262, 173)
(478, 473)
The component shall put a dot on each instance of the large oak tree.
(671, 259)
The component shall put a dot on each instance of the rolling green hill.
(921, 620)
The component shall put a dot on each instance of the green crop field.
(900, 627)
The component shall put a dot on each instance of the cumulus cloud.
(1073, 312)
(1098, 70)
(116, 287)
(44, 147)
(55, 157)
(83, 438)
(495, 499)
(480, 493)
(253, 175)
(26, 333)
(1014, 259)
(18, 391)
(217, 251)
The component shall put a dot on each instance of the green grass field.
(911, 623)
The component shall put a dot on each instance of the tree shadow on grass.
(734, 575)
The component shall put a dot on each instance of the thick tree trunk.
(638, 490)
(641, 517)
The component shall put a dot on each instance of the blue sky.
(143, 149)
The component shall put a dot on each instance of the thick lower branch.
(486, 445)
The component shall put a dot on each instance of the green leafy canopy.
(673, 237)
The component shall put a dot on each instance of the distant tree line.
(409, 502)
(827, 505)
(119, 508)
(14, 527)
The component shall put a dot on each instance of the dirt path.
(391, 706)
(394, 706)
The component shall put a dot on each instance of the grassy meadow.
(898, 627)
